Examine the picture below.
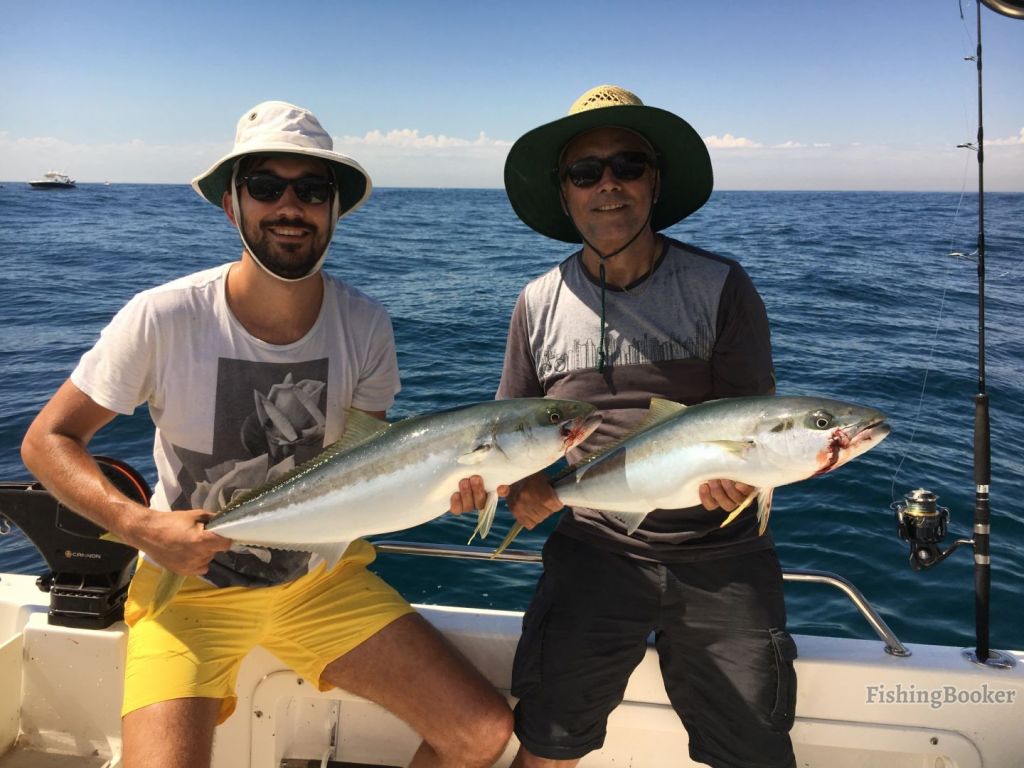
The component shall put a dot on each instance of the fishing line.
(955, 256)
(940, 316)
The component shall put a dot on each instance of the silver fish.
(761, 441)
(382, 477)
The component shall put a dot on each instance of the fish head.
(854, 430)
(539, 431)
(800, 437)
(817, 435)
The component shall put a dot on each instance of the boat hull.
(844, 718)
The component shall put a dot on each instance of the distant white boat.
(54, 180)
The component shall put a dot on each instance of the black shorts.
(719, 627)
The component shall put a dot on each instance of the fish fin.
(631, 520)
(475, 456)
(330, 551)
(360, 427)
(743, 505)
(660, 410)
(764, 509)
(485, 517)
(168, 586)
(516, 529)
(108, 536)
(738, 447)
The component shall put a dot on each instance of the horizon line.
(482, 189)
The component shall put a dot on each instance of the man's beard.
(286, 260)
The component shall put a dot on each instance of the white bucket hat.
(276, 127)
(279, 127)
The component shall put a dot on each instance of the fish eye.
(554, 416)
(821, 419)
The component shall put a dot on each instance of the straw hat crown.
(604, 96)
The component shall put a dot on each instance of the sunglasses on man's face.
(626, 166)
(268, 187)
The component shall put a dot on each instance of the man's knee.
(170, 734)
(481, 737)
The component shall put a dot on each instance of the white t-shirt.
(232, 411)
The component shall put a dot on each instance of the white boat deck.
(857, 706)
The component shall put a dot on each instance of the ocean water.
(865, 301)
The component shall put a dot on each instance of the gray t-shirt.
(695, 329)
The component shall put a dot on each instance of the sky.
(789, 94)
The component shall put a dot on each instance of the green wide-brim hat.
(531, 168)
(280, 128)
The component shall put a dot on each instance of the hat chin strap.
(624, 246)
(237, 209)
(602, 350)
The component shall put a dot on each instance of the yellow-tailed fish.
(382, 477)
(761, 441)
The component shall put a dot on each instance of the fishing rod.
(921, 521)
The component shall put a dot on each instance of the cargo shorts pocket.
(528, 663)
(784, 711)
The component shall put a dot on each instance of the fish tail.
(168, 586)
(508, 539)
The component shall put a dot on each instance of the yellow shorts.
(196, 645)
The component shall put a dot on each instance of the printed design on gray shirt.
(672, 319)
(268, 418)
(583, 353)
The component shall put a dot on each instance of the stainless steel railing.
(893, 645)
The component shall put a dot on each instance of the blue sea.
(866, 304)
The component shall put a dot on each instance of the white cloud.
(865, 167)
(401, 157)
(409, 138)
(134, 160)
(746, 163)
(1011, 141)
(799, 145)
(728, 141)
(407, 158)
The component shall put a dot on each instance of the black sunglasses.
(268, 187)
(626, 166)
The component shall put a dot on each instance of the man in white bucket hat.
(277, 128)
(247, 370)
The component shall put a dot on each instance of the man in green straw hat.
(633, 315)
(248, 369)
